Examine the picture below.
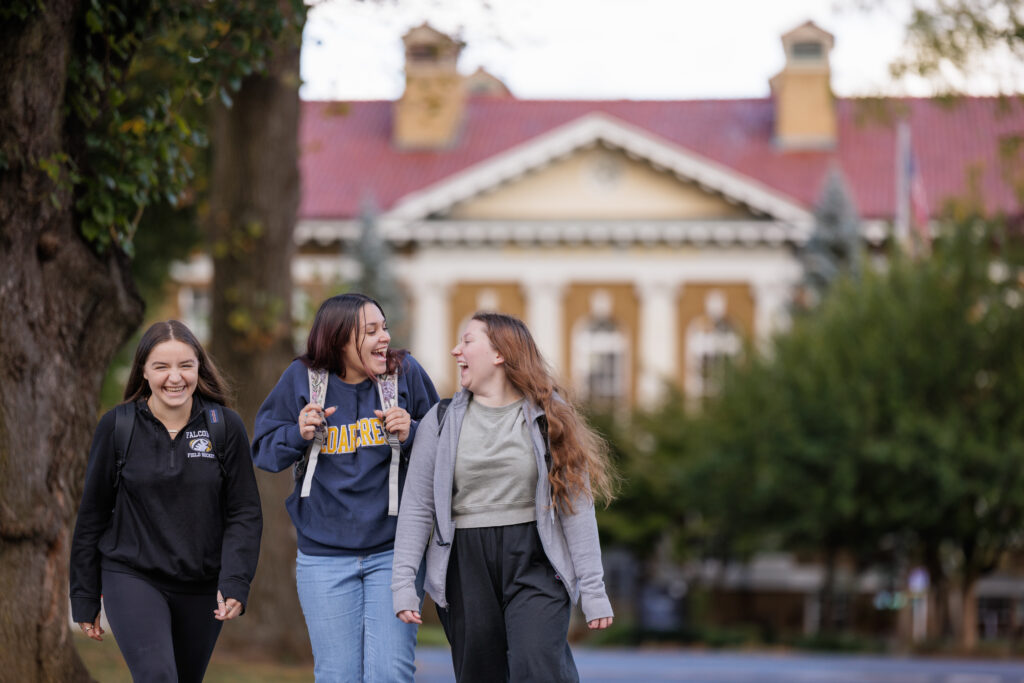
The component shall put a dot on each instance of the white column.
(658, 343)
(545, 318)
(431, 331)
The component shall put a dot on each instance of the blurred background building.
(642, 241)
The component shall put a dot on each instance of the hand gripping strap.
(317, 394)
(387, 389)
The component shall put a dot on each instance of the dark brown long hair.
(579, 456)
(211, 384)
(336, 320)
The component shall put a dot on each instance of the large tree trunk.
(64, 313)
(974, 565)
(827, 595)
(969, 614)
(939, 626)
(254, 200)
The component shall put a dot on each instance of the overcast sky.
(630, 49)
(604, 49)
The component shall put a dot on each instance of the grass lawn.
(105, 664)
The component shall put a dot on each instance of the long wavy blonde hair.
(579, 456)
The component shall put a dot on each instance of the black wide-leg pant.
(165, 637)
(508, 613)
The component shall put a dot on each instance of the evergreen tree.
(377, 276)
(835, 244)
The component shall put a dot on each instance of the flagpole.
(901, 222)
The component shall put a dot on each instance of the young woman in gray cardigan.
(508, 551)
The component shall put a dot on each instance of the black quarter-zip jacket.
(175, 518)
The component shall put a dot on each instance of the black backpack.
(442, 408)
(124, 426)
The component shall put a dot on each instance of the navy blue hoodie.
(346, 512)
(174, 519)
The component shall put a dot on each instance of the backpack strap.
(124, 425)
(442, 408)
(387, 390)
(214, 414)
(305, 468)
(543, 420)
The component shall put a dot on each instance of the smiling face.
(367, 348)
(172, 371)
(480, 366)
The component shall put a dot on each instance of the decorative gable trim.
(325, 233)
(587, 131)
(528, 233)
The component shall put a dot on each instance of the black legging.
(163, 636)
(508, 612)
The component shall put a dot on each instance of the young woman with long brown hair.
(506, 483)
(169, 531)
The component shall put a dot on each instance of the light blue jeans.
(356, 636)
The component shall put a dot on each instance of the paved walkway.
(652, 666)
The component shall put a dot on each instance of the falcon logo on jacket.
(199, 445)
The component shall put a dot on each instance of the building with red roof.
(639, 240)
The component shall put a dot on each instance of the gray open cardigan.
(425, 519)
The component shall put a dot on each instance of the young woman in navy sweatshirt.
(345, 534)
(170, 541)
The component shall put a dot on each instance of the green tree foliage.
(895, 410)
(141, 184)
(949, 41)
(99, 122)
(650, 458)
(140, 72)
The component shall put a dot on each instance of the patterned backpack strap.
(317, 395)
(387, 389)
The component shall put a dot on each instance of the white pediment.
(592, 130)
(598, 184)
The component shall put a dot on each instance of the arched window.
(599, 361)
(711, 339)
(194, 310)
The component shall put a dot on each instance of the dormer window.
(423, 53)
(807, 50)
